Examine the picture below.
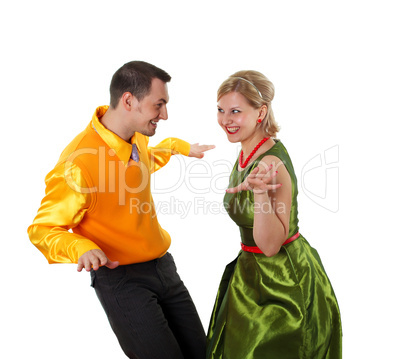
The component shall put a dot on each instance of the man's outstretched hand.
(94, 259)
(197, 150)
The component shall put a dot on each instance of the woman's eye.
(235, 111)
(220, 110)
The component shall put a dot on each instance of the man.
(95, 190)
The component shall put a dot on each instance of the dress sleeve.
(160, 154)
(62, 208)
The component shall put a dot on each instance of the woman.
(275, 299)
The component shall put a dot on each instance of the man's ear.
(129, 101)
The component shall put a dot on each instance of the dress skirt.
(280, 307)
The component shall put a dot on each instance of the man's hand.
(94, 259)
(197, 150)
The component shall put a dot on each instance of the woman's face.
(237, 117)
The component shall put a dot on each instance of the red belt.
(258, 250)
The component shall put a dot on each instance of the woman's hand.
(258, 181)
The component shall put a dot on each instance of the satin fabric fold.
(280, 307)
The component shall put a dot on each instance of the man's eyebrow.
(163, 100)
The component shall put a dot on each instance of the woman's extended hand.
(257, 181)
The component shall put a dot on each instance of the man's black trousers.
(150, 310)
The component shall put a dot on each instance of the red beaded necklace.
(243, 165)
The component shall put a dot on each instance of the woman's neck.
(248, 145)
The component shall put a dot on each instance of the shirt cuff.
(84, 247)
(181, 146)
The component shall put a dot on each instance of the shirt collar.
(121, 148)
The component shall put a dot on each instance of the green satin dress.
(280, 307)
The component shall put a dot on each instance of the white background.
(336, 67)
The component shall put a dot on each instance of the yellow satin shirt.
(82, 210)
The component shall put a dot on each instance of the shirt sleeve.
(160, 154)
(62, 209)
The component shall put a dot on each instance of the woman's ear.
(263, 112)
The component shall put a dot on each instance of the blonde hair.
(258, 91)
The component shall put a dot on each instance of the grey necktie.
(134, 153)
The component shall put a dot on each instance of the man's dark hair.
(135, 77)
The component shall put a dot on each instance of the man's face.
(152, 108)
